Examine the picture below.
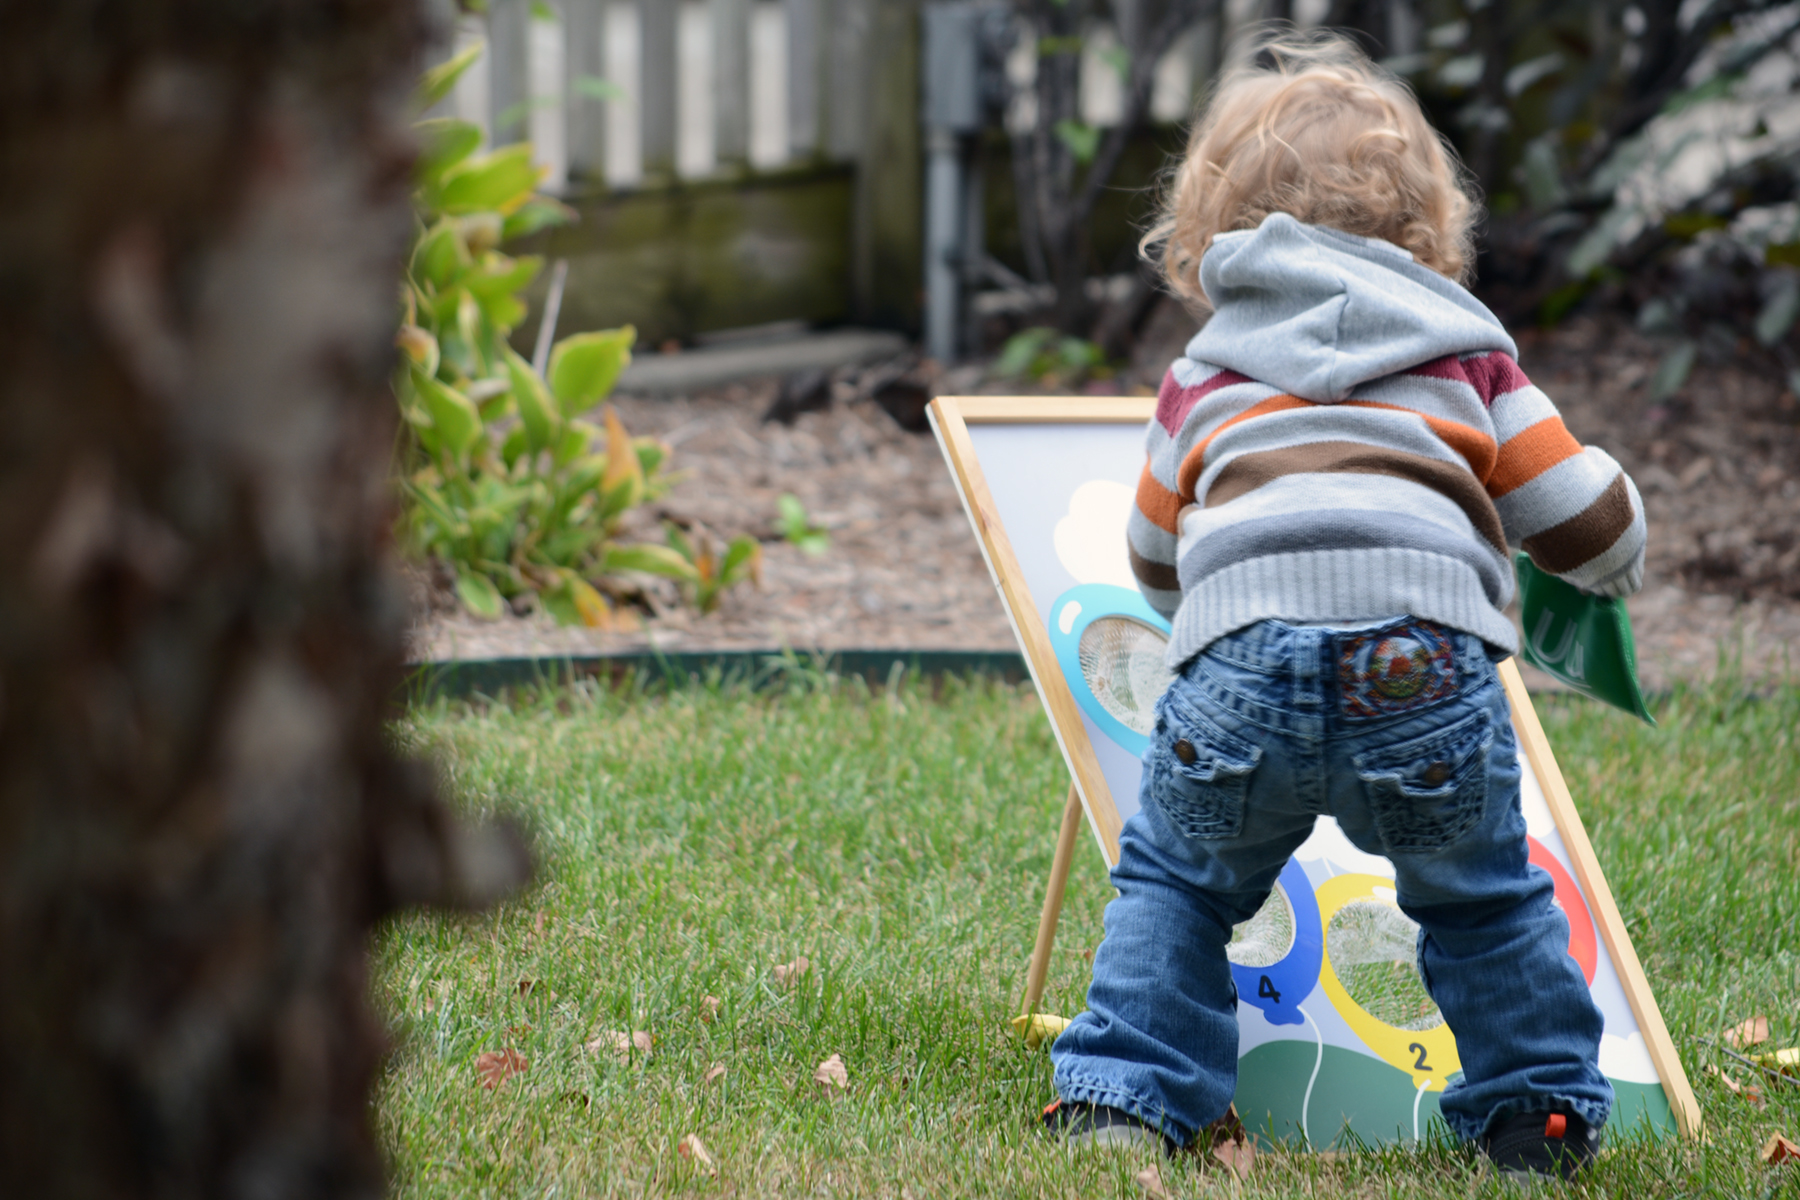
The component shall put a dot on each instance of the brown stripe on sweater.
(1586, 535)
(1152, 574)
(1247, 472)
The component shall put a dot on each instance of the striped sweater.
(1350, 437)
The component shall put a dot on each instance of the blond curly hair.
(1308, 126)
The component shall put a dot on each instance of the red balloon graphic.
(1582, 946)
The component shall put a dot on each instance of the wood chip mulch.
(1718, 465)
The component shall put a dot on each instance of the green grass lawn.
(689, 842)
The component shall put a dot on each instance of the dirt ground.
(1718, 466)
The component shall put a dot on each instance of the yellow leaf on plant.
(832, 1074)
(1752, 1032)
(621, 457)
(419, 346)
(1038, 1028)
(594, 610)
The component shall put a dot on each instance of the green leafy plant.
(1045, 354)
(505, 480)
(708, 575)
(798, 529)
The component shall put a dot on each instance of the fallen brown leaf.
(1779, 1149)
(497, 1066)
(692, 1148)
(832, 1074)
(1751, 1032)
(1240, 1156)
(1230, 1144)
(1749, 1091)
(622, 1043)
(709, 1009)
(716, 1071)
(1149, 1181)
(787, 974)
(525, 986)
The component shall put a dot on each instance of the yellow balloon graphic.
(1369, 971)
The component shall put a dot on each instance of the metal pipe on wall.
(951, 111)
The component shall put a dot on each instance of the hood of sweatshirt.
(1316, 312)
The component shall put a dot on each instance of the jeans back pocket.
(1199, 773)
(1427, 792)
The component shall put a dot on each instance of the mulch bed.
(1718, 466)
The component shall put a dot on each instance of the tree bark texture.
(203, 206)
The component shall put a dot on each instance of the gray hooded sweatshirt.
(1350, 438)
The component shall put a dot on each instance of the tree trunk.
(203, 204)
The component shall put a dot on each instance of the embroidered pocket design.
(1395, 670)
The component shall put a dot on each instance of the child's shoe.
(1085, 1124)
(1533, 1145)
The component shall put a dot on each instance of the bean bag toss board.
(1336, 1031)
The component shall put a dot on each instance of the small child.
(1337, 468)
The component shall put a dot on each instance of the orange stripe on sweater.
(1195, 462)
(1158, 503)
(1529, 453)
(1476, 447)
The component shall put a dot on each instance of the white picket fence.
(621, 94)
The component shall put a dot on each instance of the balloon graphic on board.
(1370, 973)
(1109, 643)
(1583, 945)
(1275, 954)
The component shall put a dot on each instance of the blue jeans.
(1401, 733)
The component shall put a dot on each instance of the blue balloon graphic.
(1070, 616)
(1279, 988)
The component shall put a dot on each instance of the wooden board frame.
(951, 417)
